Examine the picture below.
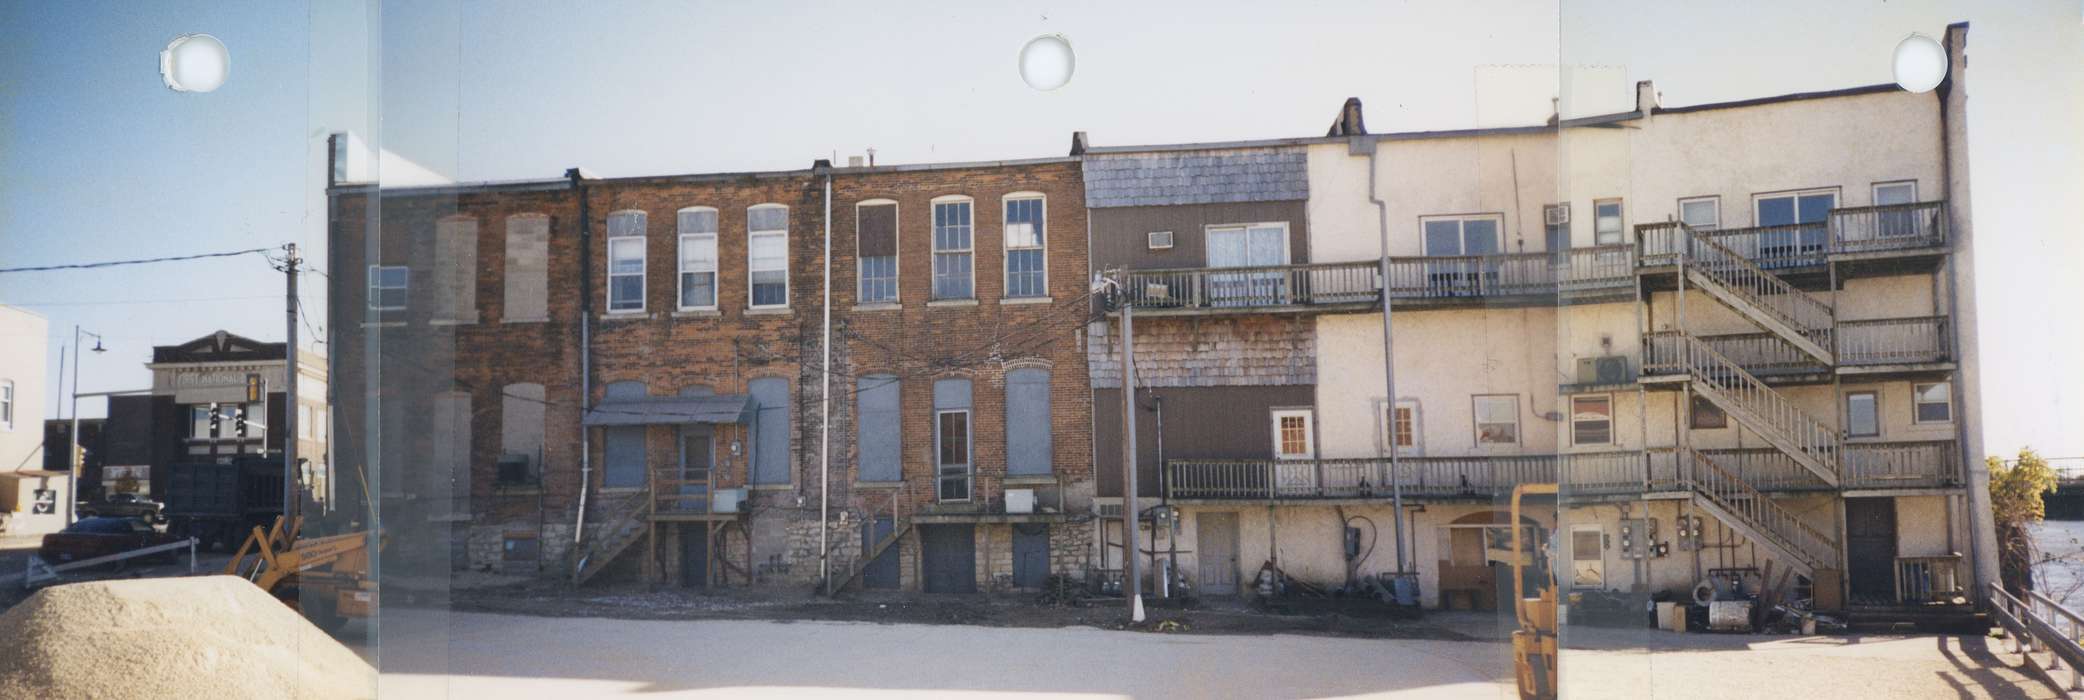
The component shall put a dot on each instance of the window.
(1497, 420)
(1592, 420)
(767, 251)
(1706, 415)
(1587, 556)
(456, 269)
(521, 429)
(1028, 435)
(1886, 193)
(1251, 245)
(1897, 224)
(1862, 414)
(626, 261)
(875, 240)
(1294, 437)
(1934, 403)
(697, 258)
(771, 433)
(387, 287)
(7, 404)
(953, 276)
(199, 422)
(1026, 262)
(1402, 423)
(528, 268)
(1701, 213)
(1606, 222)
(1555, 231)
(951, 435)
(1802, 220)
(1461, 235)
(1158, 240)
(880, 429)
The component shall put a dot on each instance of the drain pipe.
(825, 404)
(1357, 145)
(585, 362)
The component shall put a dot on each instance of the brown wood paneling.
(1229, 422)
(1119, 232)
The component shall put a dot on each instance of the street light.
(72, 478)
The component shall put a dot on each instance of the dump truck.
(219, 503)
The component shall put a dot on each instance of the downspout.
(825, 407)
(585, 360)
(1355, 146)
(1964, 419)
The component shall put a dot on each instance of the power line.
(117, 302)
(140, 261)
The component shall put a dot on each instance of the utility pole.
(1130, 575)
(290, 261)
(72, 459)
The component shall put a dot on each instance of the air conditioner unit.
(1157, 290)
(513, 470)
(726, 500)
(1020, 500)
(1556, 214)
(1612, 369)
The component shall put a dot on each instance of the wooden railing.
(1459, 276)
(1889, 227)
(1765, 290)
(1880, 465)
(1894, 341)
(1929, 579)
(675, 490)
(1597, 267)
(1360, 282)
(1729, 491)
(1253, 287)
(2039, 625)
(1712, 372)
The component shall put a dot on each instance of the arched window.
(528, 268)
(1028, 449)
(879, 428)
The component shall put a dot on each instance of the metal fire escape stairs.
(1803, 323)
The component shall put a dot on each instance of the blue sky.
(99, 161)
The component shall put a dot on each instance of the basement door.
(950, 553)
(881, 572)
(1030, 555)
(694, 555)
(1215, 541)
(1870, 550)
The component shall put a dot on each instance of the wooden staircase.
(610, 539)
(1721, 492)
(1791, 430)
(900, 523)
(1760, 296)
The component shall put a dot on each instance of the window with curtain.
(953, 272)
(1025, 259)
(697, 258)
(767, 250)
(1028, 448)
(771, 431)
(626, 261)
(1934, 402)
(1497, 420)
(1591, 420)
(880, 428)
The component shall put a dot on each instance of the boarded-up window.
(456, 269)
(771, 431)
(521, 429)
(1028, 449)
(528, 268)
(623, 452)
(450, 443)
(880, 428)
(878, 252)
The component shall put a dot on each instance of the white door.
(1261, 245)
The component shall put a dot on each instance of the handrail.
(1889, 227)
(1712, 370)
(1740, 499)
(2037, 624)
(1894, 341)
(1303, 284)
(1766, 290)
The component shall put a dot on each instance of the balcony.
(1357, 286)
(1871, 466)
(1863, 347)
(1891, 229)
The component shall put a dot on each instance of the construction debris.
(210, 637)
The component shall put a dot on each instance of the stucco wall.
(24, 339)
(1443, 358)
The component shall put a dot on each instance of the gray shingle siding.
(1197, 177)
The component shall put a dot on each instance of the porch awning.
(672, 410)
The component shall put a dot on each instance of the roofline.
(1875, 89)
(542, 185)
(564, 183)
(960, 165)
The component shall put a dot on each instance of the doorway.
(697, 458)
(1215, 538)
(1870, 550)
(882, 571)
(1030, 555)
(950, 554)
(694, 555)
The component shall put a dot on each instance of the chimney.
(871, 157)
(853, 161)
(1645, 97)
(1078, 144)
(1349, 122)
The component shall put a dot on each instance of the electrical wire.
(140, 261)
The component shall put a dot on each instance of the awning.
(672, 410)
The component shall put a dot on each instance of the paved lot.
(465, 655)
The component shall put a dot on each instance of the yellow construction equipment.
(326, 578)
(1534, 643)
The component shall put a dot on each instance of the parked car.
(125, 505)
(102, 536)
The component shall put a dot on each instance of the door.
(1870, 549)
(694, 555)
(1466, 579)
(950, 554)
(881, 572)
(1462, 242)
(697, 457)
(1802, 224)
(1215, 540)
(1030, 555)
(1248, 246)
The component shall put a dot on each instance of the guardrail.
(2039, 625)
(1894, 341)
(1850, 230)
(1889, 227)
(1247, 287)
(36, 570)
(1929, 579)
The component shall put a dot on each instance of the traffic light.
(216, 420)
(239, 423)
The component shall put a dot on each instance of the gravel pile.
(199, 638)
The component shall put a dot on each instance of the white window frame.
(1875, 396)
(716, 291)
(1309, 417)
(750, 234)
(1610, 422)
(1874, 190)
(1150, 240)
(641, 239)
(1476, 419)
(933, 245)
(1461, 231)
(1714, 200)
(1837, 199)
(1620, 218)
(376, 287)
(7, 404)
(1006, 251)
(969, 446)
(1916, 396)
(1383, 416)
(897, 256)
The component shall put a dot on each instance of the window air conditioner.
(1556, 214)
(1612, 369)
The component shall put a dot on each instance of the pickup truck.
(95, 537)
(125, 505)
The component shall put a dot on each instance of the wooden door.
(1215, 536)
(1870, 549)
